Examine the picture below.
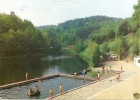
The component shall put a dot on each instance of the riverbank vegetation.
(20, 38)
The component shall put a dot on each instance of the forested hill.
(20, 38)
(88, 22)
(47, 26)
(94, 37)
(73, 31)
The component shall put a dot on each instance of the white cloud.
(134, 1)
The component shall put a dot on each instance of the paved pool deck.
(109, 88)
(123, 90)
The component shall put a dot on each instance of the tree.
(135, 48)
(104, 50)
(79, 47)
(111, 34)
(54, 47)
(113, 46)
(124, 28)
(94, 53)
(136, 17)
(12, 13)
(122, 48)
(18, 38)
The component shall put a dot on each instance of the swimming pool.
(20, 92)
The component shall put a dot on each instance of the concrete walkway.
(122, 90)
(109, 88)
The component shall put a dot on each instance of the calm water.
(14, 70)
(20, 92)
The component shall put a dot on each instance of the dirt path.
(109, 88)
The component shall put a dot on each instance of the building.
(137, 61)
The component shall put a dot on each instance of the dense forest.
(21, 38)
(74, 31)
(94, 37)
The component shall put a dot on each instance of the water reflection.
(14, 70)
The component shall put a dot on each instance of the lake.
(14, 70)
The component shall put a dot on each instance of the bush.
(93, 74)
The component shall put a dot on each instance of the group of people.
(103, 69)
(75, 74)
(31, 91)
(60, 90)
(84, 73)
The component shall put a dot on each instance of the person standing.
(118, 77)
(103, 69)
(27, 75)
(60, 89)
(51, 92)
(75, 74)
(98, 75)
(84, 72)
(106, 69)
(121, 68)
(37, 89)
(30, 92)
(110, 67)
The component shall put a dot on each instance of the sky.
(52, 12)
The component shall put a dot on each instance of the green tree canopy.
(124, 28)
(93, 53)
(136, 17)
